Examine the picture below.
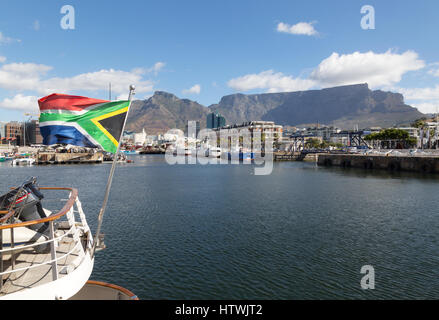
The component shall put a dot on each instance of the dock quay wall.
(68, 158)
(296, 156)
(424, 164)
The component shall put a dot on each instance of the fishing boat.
(49, 254)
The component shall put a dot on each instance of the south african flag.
(82, 121)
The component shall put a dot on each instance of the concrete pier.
(68, 158)
(286, 156)
(295, 156)
(424, 164)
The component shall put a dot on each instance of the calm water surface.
(220, 232)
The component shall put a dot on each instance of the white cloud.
(31, 69)
(196, 89)
(420, 93)
(36, 25)
(158, 66)
(270, 81)
(20, 102)
(301, 28)
(6, 40)
(22, 76)
(434, 69)
(377, 69)
(30, 77)
(33, 78)
(2, 59)
(425, 100)
(426, 107)
(154, 69)
(95, 81)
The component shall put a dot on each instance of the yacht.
(48, 254)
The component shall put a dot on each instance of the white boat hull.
(62, 289)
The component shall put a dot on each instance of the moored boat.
(46, 255)
(23, 161)
(130, 152)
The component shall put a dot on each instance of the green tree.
(389, 134)
(312, 143)
(419, 123)
(392, 134)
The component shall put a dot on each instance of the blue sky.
(203, 50)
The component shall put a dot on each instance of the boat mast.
(110, 177)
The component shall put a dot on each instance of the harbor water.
(221, 232)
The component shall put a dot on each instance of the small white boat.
(23, 161)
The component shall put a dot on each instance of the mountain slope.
(164, 111)
(344, 107)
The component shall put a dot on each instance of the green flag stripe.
(85, 122)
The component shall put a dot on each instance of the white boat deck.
(33, 277)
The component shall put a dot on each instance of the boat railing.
(73, 230)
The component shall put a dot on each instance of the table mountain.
(344, 107)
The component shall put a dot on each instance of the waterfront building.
(192, 125)
(340, 139)
(268, 129)
(323, 132)
(214, 120)
(14, 132)
(32, 134)
(139, 139)
(413, 132)
(2, 132)
(288, 131)
(432, 125)
(127, 137)
(152, 140)
(263, 129)
(173, 135)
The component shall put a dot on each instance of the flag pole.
(110, 177)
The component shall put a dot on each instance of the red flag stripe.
(67, 102)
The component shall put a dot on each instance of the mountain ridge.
(342, 106)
